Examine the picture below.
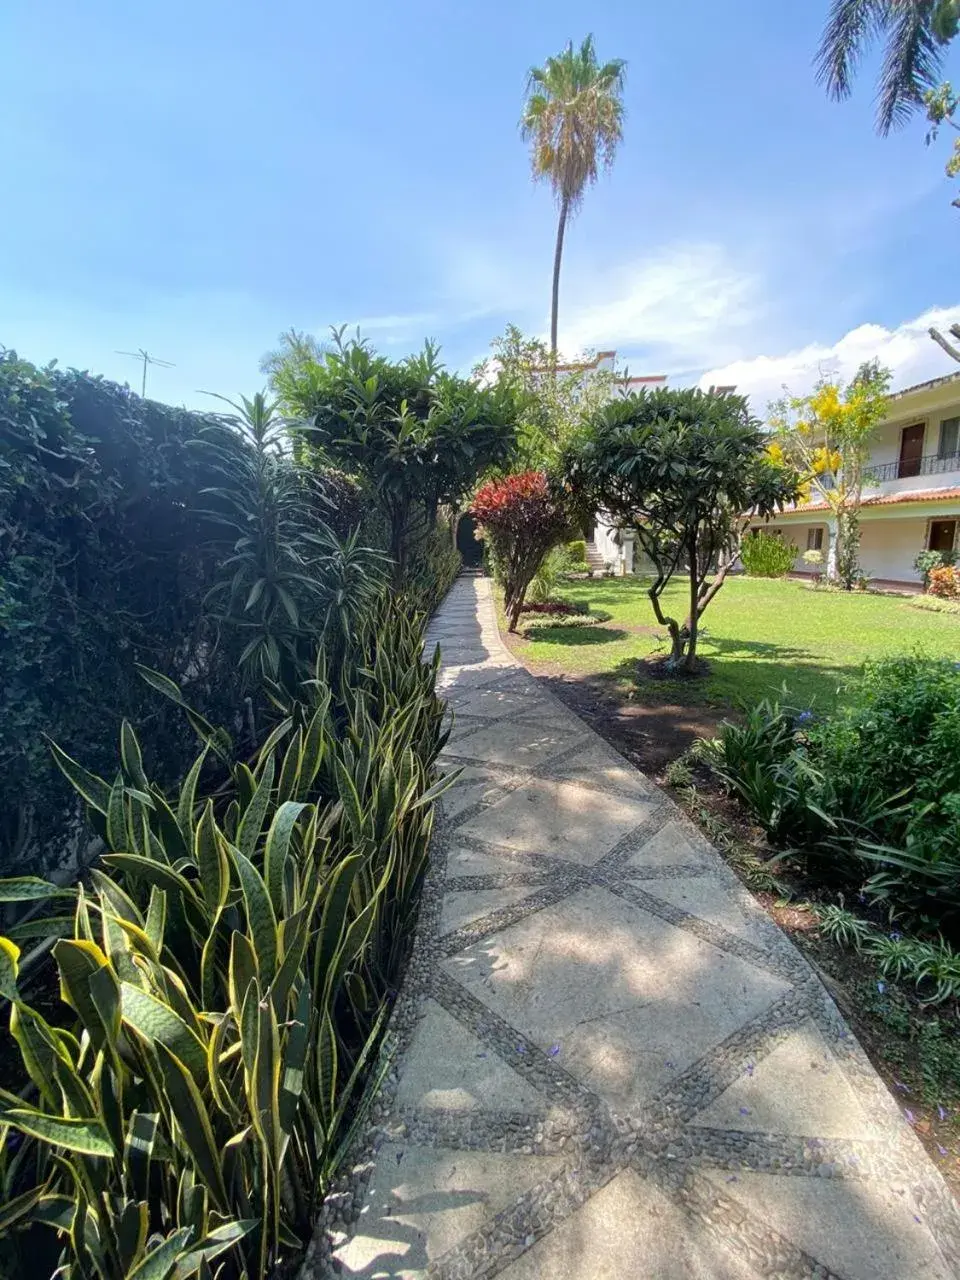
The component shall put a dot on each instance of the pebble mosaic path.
(612, 1062)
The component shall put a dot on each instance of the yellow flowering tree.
(828, 436)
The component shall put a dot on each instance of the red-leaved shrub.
(522, 517)
(943, 582)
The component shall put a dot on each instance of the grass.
(757, 635)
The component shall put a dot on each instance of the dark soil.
(650, 735)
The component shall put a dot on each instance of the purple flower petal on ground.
(672, 1065)
(751, 1067)
(481, 1055)
(521, 1048)
(554, 1050)
(943, 1150)
(900, 1085)
(881, 987)
(942, 1111)
(895, 936)
(732, 1178)
(744, 1111)
(909, 1114)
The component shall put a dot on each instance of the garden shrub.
(943, 582)
(577, 554)
(107, 556)
(927, 560)
(522, 518)
(872, 790)
(766, 556)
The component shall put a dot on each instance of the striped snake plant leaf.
(251, 823)
(193, 1124)
(242, 971)
(216, 1069)
(83, 1134)
(105, 994)
(76, 1093)
(350, 799)
(260, 916)
(169, 846)
(159, 1263)
(294, 936)
(156, 917)
(159, 1024)
(294, 1060)
(154, 872)
(21, 1206)
(9, 968)
(334, 917)
(132, 1226)
(110, 1098)
(131, 757)
(138, 1150)
(116, 831)
(216, 1242)
(30, 889)
(93, 790)
(316, 743)
(187, 801)
(277, 734)
(211, 860)
(39, 1045)
(290, 769)
(119, 902)
(77, 960)
(277, 845)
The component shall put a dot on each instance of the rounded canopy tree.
(688, 471)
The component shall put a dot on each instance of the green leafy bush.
(766, 556)
(577, 554)
(871, 790)
(928, 560)
(227, 978)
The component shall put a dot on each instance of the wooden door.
(942, 534)
(911, 451)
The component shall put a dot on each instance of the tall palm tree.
(916, 33)
(573, 119)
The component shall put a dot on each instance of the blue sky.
(196, 178)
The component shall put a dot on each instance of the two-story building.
(912, 497)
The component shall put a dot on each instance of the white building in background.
(912, 498)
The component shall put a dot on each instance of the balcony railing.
(931, 464)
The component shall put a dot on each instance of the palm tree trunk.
(557, 255)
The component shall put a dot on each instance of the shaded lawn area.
(757, 635)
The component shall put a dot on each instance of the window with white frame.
(949, 438)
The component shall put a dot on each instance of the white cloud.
(677, 309)
(415, 325)
(907, 350)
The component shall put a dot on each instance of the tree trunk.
(557, 256)
(694, 621)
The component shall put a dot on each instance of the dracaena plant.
(226, 975)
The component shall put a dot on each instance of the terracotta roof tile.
(888, 499)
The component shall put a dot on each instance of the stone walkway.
(614, 1064)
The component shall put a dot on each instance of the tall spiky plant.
(573, 120)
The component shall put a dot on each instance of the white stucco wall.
(888, 547)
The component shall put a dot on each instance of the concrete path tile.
(564, 819)
(610, 1062)
(859, 1229)
(631, 1000)
(424, 1201)
(600, 766)
(628, 1231)
(460, 908)
(798, 1088)
(510, 742)
(446, 1068)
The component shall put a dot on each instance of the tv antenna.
(145, 356)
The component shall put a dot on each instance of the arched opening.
(468, 544)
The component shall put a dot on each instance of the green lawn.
(756, 635)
